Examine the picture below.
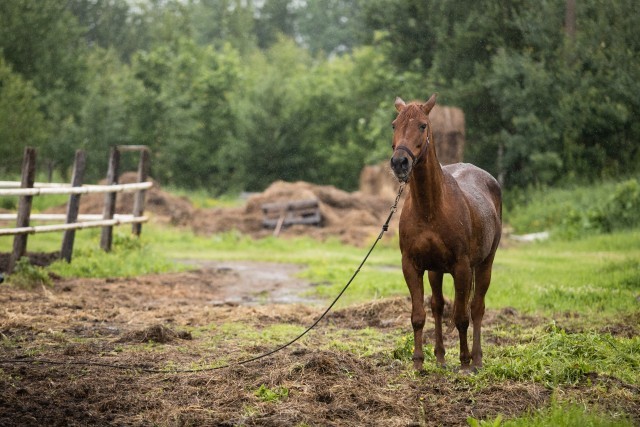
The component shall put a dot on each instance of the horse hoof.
(418, 362)
(467, 370)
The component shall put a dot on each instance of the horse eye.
(423, 127)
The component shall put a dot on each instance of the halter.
(414, 159)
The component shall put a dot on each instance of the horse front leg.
(414, 279)
(437, 309)
(462, 278)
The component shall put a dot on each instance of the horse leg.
(437, 309)
(414, 279)
(483, 278)
(462, 284)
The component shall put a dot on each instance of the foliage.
(22, 121)
(231, 95)
(574, 211)
(28, 276)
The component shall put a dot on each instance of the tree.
(21, 122)
(42, 41)
(183, 114)
(330, 26)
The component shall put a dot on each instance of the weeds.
(272, 395)
(129, 257)
(27, 276)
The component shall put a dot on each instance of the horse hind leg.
(482, 281)
(437, 309)
(462, 282)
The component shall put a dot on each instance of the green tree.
(273, 19)
(107, 116)
(406, 26)
(330, 26)
(21, 122)
(220, 22)
(184, 114)
(42, 41)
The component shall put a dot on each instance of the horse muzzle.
(401, 166)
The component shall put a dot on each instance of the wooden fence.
(26, 189)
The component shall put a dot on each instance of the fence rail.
(85, 189)
(27, 188)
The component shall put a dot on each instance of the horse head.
(411, 136)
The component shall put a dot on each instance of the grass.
(556, 415)
(598, 274)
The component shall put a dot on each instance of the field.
(561, 336)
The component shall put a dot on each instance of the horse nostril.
(399, 162)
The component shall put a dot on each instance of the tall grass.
(574, 211)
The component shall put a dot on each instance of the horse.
(451, 222)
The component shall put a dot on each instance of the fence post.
(138, 201)
(24, 207)
(73, 206)
(106, 237)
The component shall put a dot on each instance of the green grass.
(557, 415)
(598, 274)
(574, 211)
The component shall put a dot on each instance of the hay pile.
(353, 217)
(448, 133)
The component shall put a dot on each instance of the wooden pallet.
(284, 214)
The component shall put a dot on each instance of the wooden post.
(73, 206)
(24, 207)
(106, 237)
(138, 202)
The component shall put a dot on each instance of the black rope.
(385, 227)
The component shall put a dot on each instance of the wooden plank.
(24, 207)
(106, 236)
(85, 189)
(118, 220)
(279, 215)
(73, 206)
(59, 217)
(296, 204)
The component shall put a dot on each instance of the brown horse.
(451, 222)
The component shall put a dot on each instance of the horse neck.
(427, 184)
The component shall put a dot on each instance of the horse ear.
(427, 106)
(400, 104)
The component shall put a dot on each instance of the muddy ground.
(151, 322)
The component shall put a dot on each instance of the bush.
(620, 211)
